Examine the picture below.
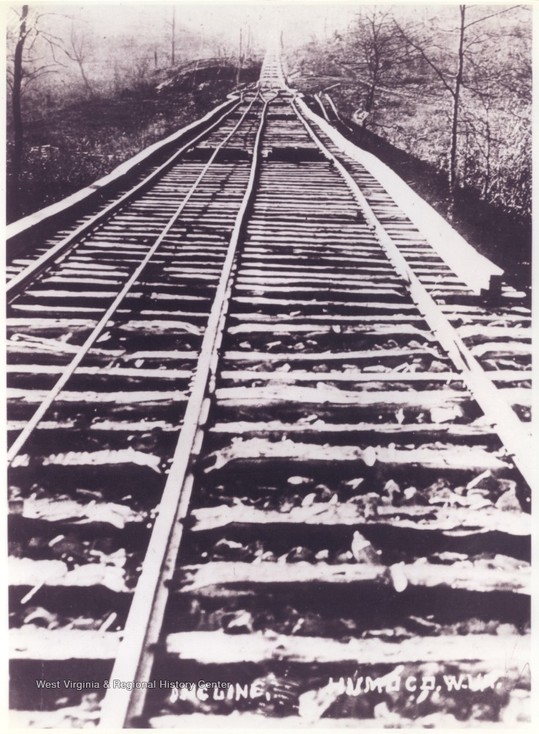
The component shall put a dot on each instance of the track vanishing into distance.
(261, 434)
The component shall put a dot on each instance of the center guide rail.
(143, 627)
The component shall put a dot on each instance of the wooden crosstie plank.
(219, 648)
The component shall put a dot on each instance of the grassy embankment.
(70, 147)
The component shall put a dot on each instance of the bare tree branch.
(429, 61)
(492, 15)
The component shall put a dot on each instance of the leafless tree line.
(463, 75)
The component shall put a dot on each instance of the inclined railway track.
(288, 414)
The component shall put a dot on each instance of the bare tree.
(173, 37)
(79, 50)
(380, 50)
(240, 58)
(450, 72)
(373, 55)
(452, 85)
(16, 90)
(34, 55)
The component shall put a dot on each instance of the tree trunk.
(453, 177)
(486, 185)
(87, 84)
(369, 101)
(18, 129)
(238, 72)
(173, 39)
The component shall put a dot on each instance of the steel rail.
(21, 439)
(516, 440)
(134, 662)
(15, 285)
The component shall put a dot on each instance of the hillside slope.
(70, 147)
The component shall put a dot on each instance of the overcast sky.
(297, 18)
(218, 17)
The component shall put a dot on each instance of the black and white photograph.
(268, 365)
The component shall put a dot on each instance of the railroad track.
(262, 435)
